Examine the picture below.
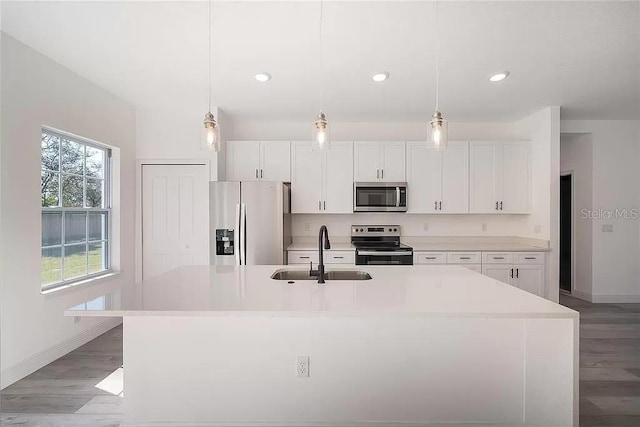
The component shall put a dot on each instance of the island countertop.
(440, 291)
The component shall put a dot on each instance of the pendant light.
(320, 131)
(437, 130)
(211, 130)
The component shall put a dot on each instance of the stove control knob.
(361, 230)
(390, 230)
(395, 229)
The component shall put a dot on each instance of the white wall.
(616, 185)
(37, 91)
(576, 156)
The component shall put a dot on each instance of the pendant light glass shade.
(211, 133)
(321, 133)
(437, 132)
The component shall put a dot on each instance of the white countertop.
(440, 291)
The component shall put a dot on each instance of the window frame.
(106, 209)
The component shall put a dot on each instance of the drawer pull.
(338, 257)
(429, 257)
(304, 257)
(465, 257)
(498, 257)
(530, 257)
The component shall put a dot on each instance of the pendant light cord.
(321, 55)
(437, 59)
(210, 1)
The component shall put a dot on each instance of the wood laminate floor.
(84, 388)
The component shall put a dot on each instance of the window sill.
(95, 280)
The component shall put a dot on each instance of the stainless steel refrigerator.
(250, 222)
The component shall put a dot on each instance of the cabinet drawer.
(464, 258)
(340, 257)
(429, 257)
(497, 257)
(529, 258)
(302, 257)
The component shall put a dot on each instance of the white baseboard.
(31, 364)
(294, 424)
(615, 298)
(582, 295)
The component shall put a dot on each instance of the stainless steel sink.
(294, 275)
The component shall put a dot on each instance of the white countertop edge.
(297, 314)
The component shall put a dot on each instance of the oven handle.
(391, 253)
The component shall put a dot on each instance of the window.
(76, 210)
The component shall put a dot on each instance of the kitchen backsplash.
(415, 225)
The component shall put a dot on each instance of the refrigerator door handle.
(237, 234)
(243, 234)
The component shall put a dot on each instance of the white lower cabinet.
(330, 257)
(501, 272)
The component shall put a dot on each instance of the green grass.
(75, 266)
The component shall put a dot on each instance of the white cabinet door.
(455, 178)
(306, 178)
(501, 272)
(530, 278)
(484, 181)
(275, 161)
(515, 177)
(338, 178)
(424, 186)
(392, 166)
(243, 161)
(366, 161)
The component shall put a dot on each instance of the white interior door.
(338, 188)
(243, 161)
(393, 158)
(275, 161)
(515, 177)
(175, 217)
(455, 178)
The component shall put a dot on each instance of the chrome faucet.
(327, 245)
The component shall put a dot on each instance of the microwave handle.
(397, 197)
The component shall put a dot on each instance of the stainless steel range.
(380, 245)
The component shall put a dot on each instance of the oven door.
(380, 197)
(373, 257)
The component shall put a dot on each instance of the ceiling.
(583, 56)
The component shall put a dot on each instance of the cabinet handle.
(338, 257)
(517, 273)
(465, 257)
(261, 173)
(304, 257)
(496, 205)
(498, 257)
(382, 173)
(319, 205)
(429, 257)
(256, 173)
(440, 205)
(530, 257)
(324, 205)
(500, 205)
(435, 205)
(512, 273)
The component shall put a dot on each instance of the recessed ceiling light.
(380, 77)
(496, 77)
(263, 77)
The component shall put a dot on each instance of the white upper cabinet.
(306, 178)
(379, 161)
(259, 161)
(338, 189)
(322, 182)
(438, 181)
(243, 160)
(500, 179)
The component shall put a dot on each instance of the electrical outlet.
(302, 366)
(484, 226)
(537, 229)
(607, 228)
(307, 226)
(426, 226)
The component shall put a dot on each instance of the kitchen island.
(415, 345)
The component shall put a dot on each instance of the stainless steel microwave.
(380, 197)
